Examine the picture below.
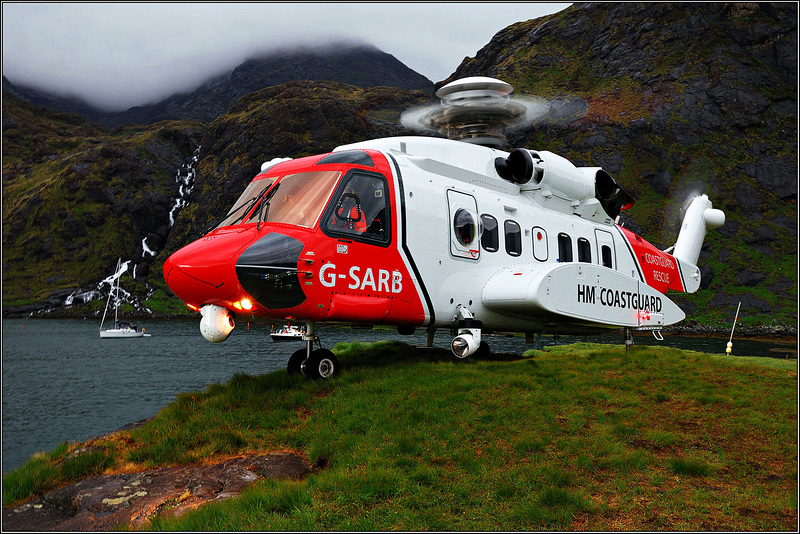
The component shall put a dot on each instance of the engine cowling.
(553, 175)
(216, 324)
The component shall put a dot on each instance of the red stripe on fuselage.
(660, 269)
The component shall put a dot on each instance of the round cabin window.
(465, 227)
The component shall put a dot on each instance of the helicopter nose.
(203, 271)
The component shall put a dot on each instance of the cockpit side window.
(360, 209)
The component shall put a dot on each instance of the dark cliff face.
(675, 99)
(77, 197)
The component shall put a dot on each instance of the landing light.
(243, 304)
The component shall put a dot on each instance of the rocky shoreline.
(108, 502)
(764, 331)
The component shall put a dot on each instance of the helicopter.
(431, 232)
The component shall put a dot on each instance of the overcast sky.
(117, 55)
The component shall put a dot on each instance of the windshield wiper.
(248, 205)
(267, 199)
(260, 210)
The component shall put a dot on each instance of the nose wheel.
(311, 363)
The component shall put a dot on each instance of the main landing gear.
(628, 338)
(313, 363)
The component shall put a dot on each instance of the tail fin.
(699, 218)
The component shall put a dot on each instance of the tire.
(322, 364)
(295, 365)
(484, 350)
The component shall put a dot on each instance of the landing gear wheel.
(295, 365)
(321, 364)
(484, 350)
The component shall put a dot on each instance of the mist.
(119, 55)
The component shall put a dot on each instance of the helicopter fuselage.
(429, 232)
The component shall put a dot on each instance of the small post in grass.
(730, 341)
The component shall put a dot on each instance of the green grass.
(46, 471)
(575, 437)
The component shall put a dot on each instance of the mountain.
(669, 98)
(356, 64)
(63, 104)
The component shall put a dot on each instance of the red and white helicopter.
(424, 232)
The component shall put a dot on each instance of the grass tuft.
(689, 467)
(47, 471)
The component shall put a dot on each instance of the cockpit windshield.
(297, 199)
(246, 200)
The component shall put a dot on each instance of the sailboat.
(121, 329)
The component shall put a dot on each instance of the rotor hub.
(476, 110)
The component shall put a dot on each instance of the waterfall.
(185, 180)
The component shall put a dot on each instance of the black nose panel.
(267, 270)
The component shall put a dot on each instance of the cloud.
(117, 55)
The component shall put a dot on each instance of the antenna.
(478, 110)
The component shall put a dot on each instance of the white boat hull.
(286, 337)
(287, 333)
(122, 333)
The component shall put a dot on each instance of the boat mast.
(111, 292)
(116, 297)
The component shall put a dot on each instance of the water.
(61, 382)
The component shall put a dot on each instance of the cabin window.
(564, 248)
(513, 238)
(465, 226)
(584, 250)
(296, 199)
(539, 237)
(605, 251)
(490, 240)
(360, 209)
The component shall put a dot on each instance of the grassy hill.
(575, 437)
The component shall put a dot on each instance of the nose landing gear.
(313, 363)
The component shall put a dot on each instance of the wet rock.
(107, 502)
(661, 181)
(749, 302)
(749, 278)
